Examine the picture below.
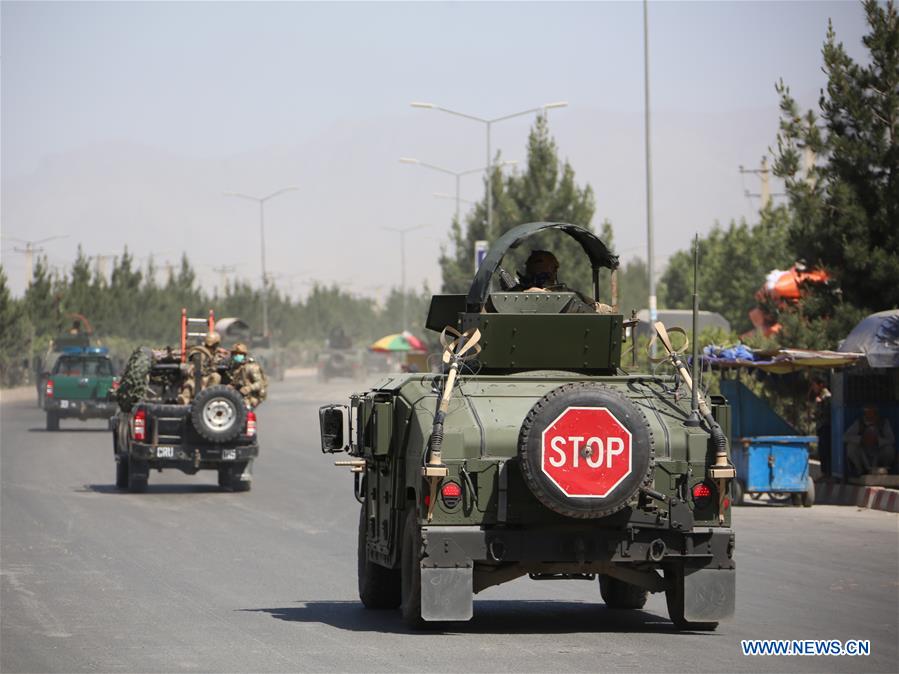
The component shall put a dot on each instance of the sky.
(124, 123)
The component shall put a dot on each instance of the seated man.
(870, 444)
(247, 376)
(210, 355)
(541, 275)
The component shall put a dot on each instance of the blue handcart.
(769, 455)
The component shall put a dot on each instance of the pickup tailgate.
(73, 387)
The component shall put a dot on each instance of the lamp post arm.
(439, 168)
(462, 114)
(517, 114)
(277, 192)
(242, 196)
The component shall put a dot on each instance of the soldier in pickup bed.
(210, 355)
(247, 376)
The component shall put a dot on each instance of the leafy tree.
(546, 190)
(633, 286)
(733, 263)
(846, 204)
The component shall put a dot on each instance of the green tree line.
(131, 308)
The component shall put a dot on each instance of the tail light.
(251, 424)
(139, 425)
(49, 390)
(451, 493)
(702, 494)
(115, 384)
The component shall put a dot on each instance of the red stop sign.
(586, 452)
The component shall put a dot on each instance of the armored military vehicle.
(339, 358)
(535, 454)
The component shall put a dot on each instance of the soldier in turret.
(541, 275)
(247, 376)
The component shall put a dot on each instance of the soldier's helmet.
(240, 347)
(212, 339)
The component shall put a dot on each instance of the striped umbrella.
(401, 341)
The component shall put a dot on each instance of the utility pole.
(764, 174)
(100, 268)
(402, 232)
(261, 201)
(31, 247)
(653, 314)
(809, 159)
(223, 272)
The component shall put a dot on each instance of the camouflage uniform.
(209, 355)
(247, 377)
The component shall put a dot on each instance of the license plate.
(229, 454)
(165, 452)
(64, 404)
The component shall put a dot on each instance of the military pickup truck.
(155, 431)
(534, 453)
(81, 385)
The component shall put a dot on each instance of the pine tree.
(846, 206)
(545, 191)
(13, 336)
(41, 303)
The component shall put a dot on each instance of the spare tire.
(606, 429)
(219, 413)
(135, 379)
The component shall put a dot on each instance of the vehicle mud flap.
(446, 593)
(709, 594)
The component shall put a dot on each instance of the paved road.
(185, 578)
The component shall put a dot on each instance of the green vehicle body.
(500, 521)
(80, 386)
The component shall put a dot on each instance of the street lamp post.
(402, 231)
(488, 123)
(650, 251)
(261, 201)
(456, 174)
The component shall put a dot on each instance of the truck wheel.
(52, 421)
(808, 498)
(219, 413)
(674, 597)
(618, 594)
(138, 474)
(410, 572)
(379, 587)
(796, 499)
(545, 412)
(738, 492)
(229, 477)
(121, 473)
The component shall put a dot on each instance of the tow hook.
(657, 550)
(653, 494)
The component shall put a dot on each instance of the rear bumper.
(188, 457)
(702, 547)
(82, 409)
